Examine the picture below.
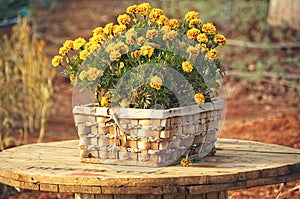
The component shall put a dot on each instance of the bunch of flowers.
(147, 60)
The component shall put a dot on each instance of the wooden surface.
(55, 167)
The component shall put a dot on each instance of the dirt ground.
(265, 111)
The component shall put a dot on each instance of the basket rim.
(133, 113)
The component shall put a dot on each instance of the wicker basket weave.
(146, 137)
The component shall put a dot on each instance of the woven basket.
(146, 137)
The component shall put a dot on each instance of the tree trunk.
(283, 12)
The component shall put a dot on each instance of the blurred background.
(261, 59)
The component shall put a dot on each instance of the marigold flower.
(68, 44)
(121, 65)
(98, 31)
(173, 24)
(193, 33)
(141, 40)
(78, 43)
(155, 14)
(93, 73)
(63, 50)
(136, 54)
(57, 60)
(82, 75)
(143, 9)
(150, 34)
(185, 163)
(187, 66)
(147, 51)
(163, 20)
(212, 54)
(199, 98)
(194, 22)
(202, 38)
(118, 29)
(132, 9)
(104, 101)
(115, 56)
(209, 28)
(191, 15)
(170, 35)
(193, 51)
(123, 19)
(108, 29)
(220, 39)
(155, 82)
(84, 54)
(122, 47)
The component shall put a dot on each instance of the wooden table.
(55, 167)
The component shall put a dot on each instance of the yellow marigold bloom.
(173, 24)
(156, 82)
(84, 54)
(123, 19)
(191, 15)
(93, 73)
(147, 51)
(187, 66)
(204, 48)
(82, 75)
(68, 44)
(108, 29)
(97, 39)
(150, 34)
(212, 54)
(163, 20)
(141, 40)
(63, 50)
(199, 98)
(98, 31)
(78, 43)
(93, 46)
(185, 163)
(136, 54)
(194, 22)
(209, 28)
(104, 102)
(155, 14)
(220, 39)
(202, 38)
(119, 29)
(121, 65)
(132, 9)
(143, 9)
(170, 35)
(115, 56)
(57, 60)
(122, 47)
(193, 33)
(193, 51)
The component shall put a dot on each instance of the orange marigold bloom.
(57, 60)
(118, 29)
(132, 9)
(108, 29)
(155, 14)
(199, 98)
(123, 19)
(147, 51)
(212, 54)
(63, 50)
(193, 33)
(173, 24)
(202, 38)
(163, 20)
(68, 44)
(194, 22)
(156, 82)
(143, 9)
(220, 39)
(187, 66)
(98, 31)
(191, 15)
(136, 54)
(209, 28)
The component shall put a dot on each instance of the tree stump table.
(55, 167)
